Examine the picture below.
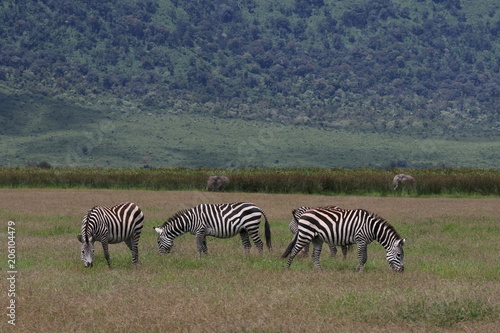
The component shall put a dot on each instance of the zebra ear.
(158, 230)
(80, 239)
(401, 242)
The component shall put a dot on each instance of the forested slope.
(427, 67)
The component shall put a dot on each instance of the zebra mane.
(377, 218)
(86, 226)
(174, 217)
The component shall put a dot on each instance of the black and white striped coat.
(345, 227)
(294, 228)
(109, 225)
(217, 220)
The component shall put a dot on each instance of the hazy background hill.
(40, 129)
(416, 81)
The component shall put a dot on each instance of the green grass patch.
(446, 313)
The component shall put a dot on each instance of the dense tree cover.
(428, 67)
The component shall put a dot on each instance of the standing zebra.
(294, 228)
(344, 227)
(218, 220)
(109, 225)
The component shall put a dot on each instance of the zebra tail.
(267, 231)
(290, 246)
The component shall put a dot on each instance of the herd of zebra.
(333, 225)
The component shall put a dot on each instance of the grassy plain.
(451, 282)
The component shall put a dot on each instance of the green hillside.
(366, 83)
(63, 135)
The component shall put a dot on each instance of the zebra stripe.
(217, 220)
(345, 227)
(294, 228)
(110, 225)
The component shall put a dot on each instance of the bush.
(309, 181)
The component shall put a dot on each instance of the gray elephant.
(217, 183)
(403, 180)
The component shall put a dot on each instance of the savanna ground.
(451, 281)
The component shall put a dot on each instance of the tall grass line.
(312, 184)
(307, 181)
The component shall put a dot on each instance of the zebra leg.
(318, 244)
(344, 251)
(106, 252)
(294, 252)
(245, 239)
(259, 244)
(300, 242)
(201, 243)
(132, 244)
(362, 256)
(333, 250)
(296, 249)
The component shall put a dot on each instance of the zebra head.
(395, 255)
(165, 243)
(87, 254)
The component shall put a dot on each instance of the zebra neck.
(93, 225)
(88, 234)
(384, 233)
(179, 227)
(94, 231)
(87, 230)
(180, 223)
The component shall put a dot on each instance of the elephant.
(217, 183)
(402, 180)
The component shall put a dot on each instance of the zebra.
(294, 228)
(110, 225)
(344, 227)
(217, 220)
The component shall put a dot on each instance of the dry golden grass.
(451, 281)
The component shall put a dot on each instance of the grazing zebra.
(343, 227)
(218, 220)
(109, 225)
(294, 228)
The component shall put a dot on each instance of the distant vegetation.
(40, 129)
(454, 182)
(425, 67)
